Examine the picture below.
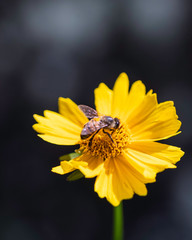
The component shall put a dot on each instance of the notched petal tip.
(149, 174)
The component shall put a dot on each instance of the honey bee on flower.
(118, 141)
(97, 123)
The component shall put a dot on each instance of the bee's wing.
(88, 111)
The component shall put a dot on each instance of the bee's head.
(112, 122)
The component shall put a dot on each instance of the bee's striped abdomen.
(89, 128)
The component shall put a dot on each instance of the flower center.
(106, 143)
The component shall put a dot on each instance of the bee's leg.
(112, 131)
(91, 138)
(108, 135)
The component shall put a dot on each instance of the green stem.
(118, 222)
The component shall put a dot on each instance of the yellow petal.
(68, 166)
(135, 97)
(62, 122)
(103, 99)
(152, 162)
(165, 152)
(160, 124)
(56, 129)
(124, 170)
(144, 109)
(93, 167)
(137, 186)
(120, 96)
(58, 140)
(138, 168)
(70, 110)
(58, 170)
(113, 183)
(143, 173)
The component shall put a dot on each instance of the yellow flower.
(123, 160)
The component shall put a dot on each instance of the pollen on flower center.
(103, 146)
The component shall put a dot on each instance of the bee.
(96, 123)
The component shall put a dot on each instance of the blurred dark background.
(66, 48)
